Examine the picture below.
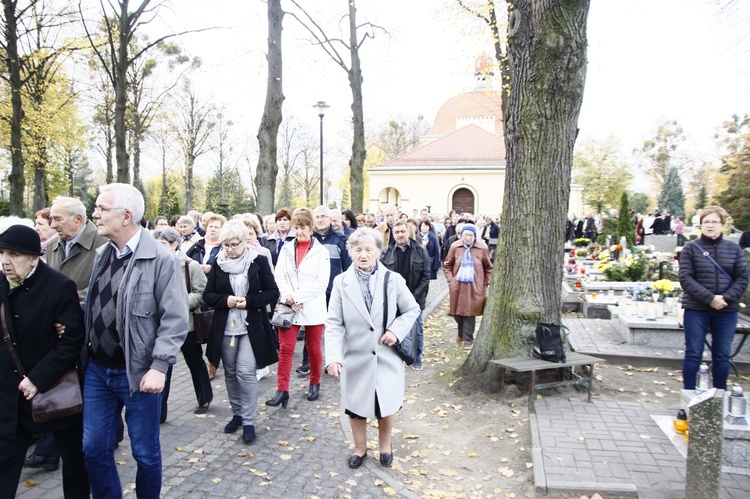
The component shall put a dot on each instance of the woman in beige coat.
(468, 270)
(359, 351)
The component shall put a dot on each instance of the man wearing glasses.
(136, 320)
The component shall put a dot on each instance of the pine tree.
(672, 196)
(702, 199)
(624, 224)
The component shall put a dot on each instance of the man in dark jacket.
(411, 260)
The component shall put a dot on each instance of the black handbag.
(265, 343)
(549, 345)
(406, 348)
(202, 321)
(61, 400)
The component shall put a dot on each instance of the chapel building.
(460, 164)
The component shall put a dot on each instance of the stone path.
(613, 448)
(610, 447)
(300, 452)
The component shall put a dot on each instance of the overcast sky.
(649, 61)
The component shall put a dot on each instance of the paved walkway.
(610, 447)
(299, 452)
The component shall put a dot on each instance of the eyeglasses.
(711, 222)
(233, 246)
(101, 209)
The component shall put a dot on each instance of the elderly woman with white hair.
(358, 347)
(192, 351)
(186, 226)
(240, 286)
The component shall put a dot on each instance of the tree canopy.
(599, 167)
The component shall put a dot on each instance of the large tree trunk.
(189, 165)
(268, 132)
(547, 55)
(357, 161)
(40, 169)
(15, 179)
(121, 87)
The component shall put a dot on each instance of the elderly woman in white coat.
(359, 351)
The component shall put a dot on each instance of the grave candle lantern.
(703, 380)
(737, 407)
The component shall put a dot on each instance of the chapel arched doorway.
(463, 201)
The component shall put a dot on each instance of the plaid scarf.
(363, 276)
(466, 271)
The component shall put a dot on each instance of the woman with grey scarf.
(240, 285)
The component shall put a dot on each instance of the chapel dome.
(479, 107)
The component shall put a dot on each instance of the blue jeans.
(420, 337)
(103, 389)
(697, 325)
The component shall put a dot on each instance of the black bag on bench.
(549, 345)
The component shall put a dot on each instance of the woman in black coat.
(34, 297)
(713, 276)
(240, 286)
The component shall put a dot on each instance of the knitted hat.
(469, 227)
(21, 239)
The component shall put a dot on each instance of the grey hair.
(72, 205)
(186, 219)
(362, 234)
(126, 197)
(233, 229)
(322, 209)
(335, 211)
(168, 234)
(389, 207)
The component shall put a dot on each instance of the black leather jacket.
(418, 280)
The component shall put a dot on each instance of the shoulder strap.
(187, 277)
(385, 301)
(716, 264)
(9, 342)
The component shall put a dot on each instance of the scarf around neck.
(363, 276)
(237, 269)
(466, 271)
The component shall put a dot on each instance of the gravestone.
(661, 242)
(705, 445)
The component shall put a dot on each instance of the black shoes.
(201, 409)
(356, 461)
(37, 461)
(281, 398)
(386, 460)
(248, 433)
(313, 392)
(303, 369)
(233, 425)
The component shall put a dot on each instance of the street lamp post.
(321, 106)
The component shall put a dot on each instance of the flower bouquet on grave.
(664, 287)
(582, 242)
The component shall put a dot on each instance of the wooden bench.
(532, 364)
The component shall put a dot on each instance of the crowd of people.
(653, 223)
(119, 297)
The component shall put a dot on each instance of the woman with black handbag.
(34, 297)
(362, 328)
(240, 286)
(195, 281)
(713, 276)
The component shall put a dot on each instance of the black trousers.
(68, 441)
(193, 354)
(46, 447)
(466, 325)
